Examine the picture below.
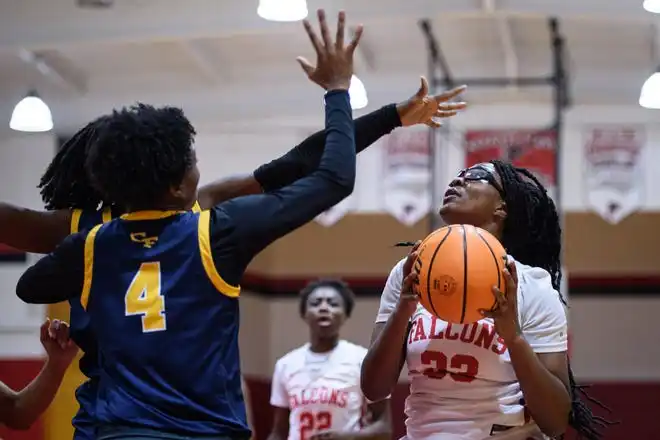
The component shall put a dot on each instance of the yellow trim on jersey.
(75, 220)
(196, 207)
(89, 265)
(149, 215)
(106, 215)
(203, 234)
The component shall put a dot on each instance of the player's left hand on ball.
(55, 339)
(423, 108)
(505, 312)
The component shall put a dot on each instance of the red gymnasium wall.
(614, 288)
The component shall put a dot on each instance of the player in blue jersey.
(158, 252)
(72, 203)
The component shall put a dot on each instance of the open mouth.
(324, 321)
(452, 193)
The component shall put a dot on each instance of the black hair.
(65, 184)
(532, 234)
(140, 153)
(340, 286)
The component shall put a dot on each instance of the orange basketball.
(458, 265)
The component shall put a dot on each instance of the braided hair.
(65, 184)
(340, 286)
(532, 234)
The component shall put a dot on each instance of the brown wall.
(361, 246)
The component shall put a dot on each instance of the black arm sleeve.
(56, 277)
(242, 227)
(305, 157)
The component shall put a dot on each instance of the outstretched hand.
(423, 108)
(334, 60)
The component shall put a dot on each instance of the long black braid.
(532, 234)
(65, 184)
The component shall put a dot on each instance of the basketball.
(458, 265)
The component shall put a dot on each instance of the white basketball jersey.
(462, 383)
(321, 390)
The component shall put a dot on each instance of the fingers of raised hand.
(325, 32)
(450, 94)
(341, 26)
(357, 35)
(410, 260)
(316, 42)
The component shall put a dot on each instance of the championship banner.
(614, 171)
(337, 212)
(532, 149)
(406, 174)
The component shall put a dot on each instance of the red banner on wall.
(535, 150)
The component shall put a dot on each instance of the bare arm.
(248, 405)
(380, 426)
(20, 410)
(280, 429)
(544, 381)
(33, 231)
(382, 365)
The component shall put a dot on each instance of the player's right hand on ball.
(334, 60)
(409, 297)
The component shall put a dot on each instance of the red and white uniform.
(462, 383)
(322, 390)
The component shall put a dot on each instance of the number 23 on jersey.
(144, 298)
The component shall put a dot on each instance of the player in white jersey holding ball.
(506, 376)
(316, 388)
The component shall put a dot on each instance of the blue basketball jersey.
(84, 421)
(80, 331)
(166, 325)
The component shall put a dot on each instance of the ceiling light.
(650, 95)
(282, 10)
(358, 94)
(31, 115)
(652, 6)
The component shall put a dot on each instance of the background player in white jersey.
(316, 388)
(506, 376)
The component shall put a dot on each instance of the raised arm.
(19, 410)
(33, 231)
(242, 227)
(305, 157)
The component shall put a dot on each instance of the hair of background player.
(65, 183)
(140, 153)
(340, 286)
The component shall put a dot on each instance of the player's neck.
(323, 344)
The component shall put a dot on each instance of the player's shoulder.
(295, 356)
(535, 287)
(351, 349)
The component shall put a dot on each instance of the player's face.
(475, 197)
(325, 311)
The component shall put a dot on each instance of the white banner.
(406, 174)
(614, 171)
(337, 212)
